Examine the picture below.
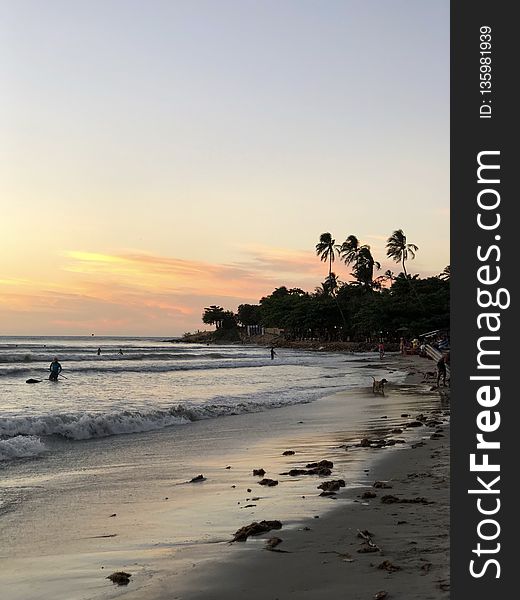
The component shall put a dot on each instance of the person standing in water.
(55, 368)
(98, 351)
(273, 354)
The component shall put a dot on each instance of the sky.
(161, 156)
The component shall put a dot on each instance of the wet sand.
(173, 537)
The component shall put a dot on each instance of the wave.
(20, 446)
(100, 367)
(98, 425)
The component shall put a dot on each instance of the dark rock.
(258, 472)
(381, 595)
(329, 494)
(404, 415)
(33, 381)
(120, 577)
(414, 424)
(365, 443)
(288, 453)
(397, 430)
(197, 479)
(255, 528)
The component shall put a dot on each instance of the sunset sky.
(161, 156)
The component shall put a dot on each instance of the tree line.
(365, 308)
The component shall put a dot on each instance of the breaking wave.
(20, 446)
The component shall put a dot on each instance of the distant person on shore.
(273, 354)
(402, 346)
(98, 351)
(381, 349)
(55, 368)
(441, 371)
(120, 351)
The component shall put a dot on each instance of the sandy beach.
(138, 512)
(328, 557)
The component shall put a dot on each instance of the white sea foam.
(20, 446)
(82, 426)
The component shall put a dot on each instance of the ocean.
(153, 384)
(95, 468)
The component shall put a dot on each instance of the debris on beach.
(325, 464)
(255, 528)
(197, 479)
(258, 472)
(364, 534)
(268, 482)
(388, 566)
(381, 595)
(112, 515)
(120, 577)
(368, 495)
(322, 471)
(368, 544)
(288, 453)
(382, 484)
(332, 486)
(365, 548)
(328, 494)
(272, 542)
(389, 499)
(414, 424)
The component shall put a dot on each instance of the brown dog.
(378, 387)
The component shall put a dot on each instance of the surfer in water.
(55, 369)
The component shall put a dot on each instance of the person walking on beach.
(98, 351)
(381, 350)
(441, 371)
(402, 346)
(273, 354)
(55, 368)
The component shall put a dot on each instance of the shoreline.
(141, 538)
(319, 556)
(326, 556)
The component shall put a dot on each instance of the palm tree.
(349, 249)
(364, 267)
(446, 274)
(361, 256)
(398, 249)
(326, 249)
(331, 284)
